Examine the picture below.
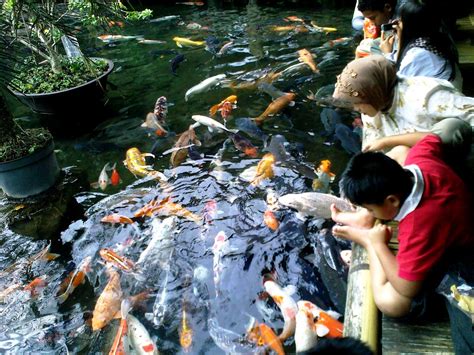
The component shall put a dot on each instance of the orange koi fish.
(270, 220)
(306, 57)
(152, 122)
(120, 344)
(115, 177)
(276, 106)
(108, 303)
(294, 19)
(299, 28)
(264, 169)
(135, 163)
(168, 208)
(35, 286)
(244, 145)
(262, 335)
(325, 167)
(232, 99)
(116, 218)
(147, 210)
(74, 279)
(186, 333)
(116, 260)
(226, 110)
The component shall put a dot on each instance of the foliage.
(34, 79)
(24, 142)
(139, 15)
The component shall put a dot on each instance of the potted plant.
(53, 77)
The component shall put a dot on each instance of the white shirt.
(415, 195)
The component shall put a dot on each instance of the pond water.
(220, 290)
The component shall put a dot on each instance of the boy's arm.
(407, 139)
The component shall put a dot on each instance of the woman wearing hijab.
(394, 105)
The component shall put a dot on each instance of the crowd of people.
(415, 162)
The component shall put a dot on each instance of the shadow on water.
(219, 285)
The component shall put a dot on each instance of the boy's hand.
(386, 45)
(379, 234)
(377, 145)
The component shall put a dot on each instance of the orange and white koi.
(262, 335)
(108, 303)
(140, 338)
(116, 260)
(116, 218)
(287, 306)
(168, 208)
(276, 106)
(135, 163)
(232, 99)
(103, 180)
(270, 220)
(264, 169)
(326, 323)
(185, 333)
(73, 280)
(293, 19)
(298, 28)
(325, 167)
(120, 346)
(306, 57)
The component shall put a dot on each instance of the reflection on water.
(221, 289)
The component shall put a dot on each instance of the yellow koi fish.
(186, 333)
(323, 29)
(180, 42)
(276, 106)
(264, 169)
(135, 162)
(306, 57)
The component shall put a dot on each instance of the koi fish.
(175, 63)
(116, 260)
(298, 28)
(140, 338)
(161, 245)
(117, 38)
(306, 57)
(116, 218)
(225, 48)
(219, 249)
(115, 177)
(115, 23)
(262, 335)
(150, 41)
(161, 109)
(323, 29)
(35, 286)
(264, 169)
(294, 19)
(191, 3)
(314, 204)
(108, 303)
(337, 42)
(276, 106)
(103, 180)
(151, 121)
(180, 42)
(73, 280)
(209, 212)
(120, 346)
(270, 220)
(212, 124)
(185, 333)
(185, 139)
(167, 207)
(326, 323)
(43, 254)
(231, 99)
(135, 163)
(244, 145)
(226, 110)
(325, 167)
(287, 306)
(204, 85)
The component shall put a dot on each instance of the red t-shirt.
(442, 219)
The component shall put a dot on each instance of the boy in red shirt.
(429, 200)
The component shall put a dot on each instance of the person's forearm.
(389, 264)
(408, 139)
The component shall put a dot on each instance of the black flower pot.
(30, 175)
(79, 98)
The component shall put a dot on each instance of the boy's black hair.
(339, 346)
(370, 177)
(375, 5)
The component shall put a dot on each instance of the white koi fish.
(287, 306)
(212, 124)
(220, 245)
(161, 242)
(140, 338)
(204, 85)
(103, 180)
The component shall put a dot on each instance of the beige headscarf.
(368, 80)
